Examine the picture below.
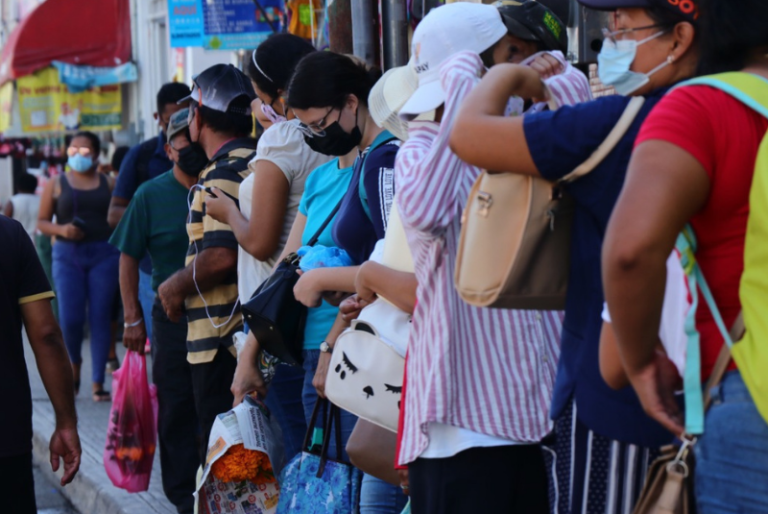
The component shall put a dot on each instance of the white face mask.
(614, 63)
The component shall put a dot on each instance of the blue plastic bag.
(318, 256)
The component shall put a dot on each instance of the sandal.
(113, 365)
(102, 396)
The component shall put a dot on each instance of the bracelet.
(134, 324)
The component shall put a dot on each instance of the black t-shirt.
(22, 280)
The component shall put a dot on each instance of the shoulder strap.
(751, 90)
(316, 237)
(607, 146)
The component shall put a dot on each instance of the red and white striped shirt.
(485, 370)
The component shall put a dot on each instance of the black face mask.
(192, 159)
(335, 141)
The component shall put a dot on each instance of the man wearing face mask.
(220, 123)
(155, 223)
(143, 162)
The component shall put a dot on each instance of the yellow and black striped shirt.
(226, 171)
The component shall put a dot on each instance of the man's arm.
(125, 187)
(134, 337)
(212, 266)
(53, 363)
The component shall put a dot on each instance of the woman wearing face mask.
(329, 94)
(694, 163)
(85, 265)
(650, 46)
(269, 203)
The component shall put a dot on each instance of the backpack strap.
(381, 140)
(751, 90)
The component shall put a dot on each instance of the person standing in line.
(24, 205)
(25, 300)
(696, 162)
(269, 204)
(220, 124)
(604, 441)
(155, 223)
(143, 162)
(85, 265)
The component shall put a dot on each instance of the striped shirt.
(226, 171)
(486, 370)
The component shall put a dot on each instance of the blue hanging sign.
(224, 24)
(81, 78)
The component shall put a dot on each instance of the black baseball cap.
(688, 9)
(220, 87)
(532, 21)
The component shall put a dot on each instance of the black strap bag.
(274, 315)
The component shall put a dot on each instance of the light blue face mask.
(614, 63)
(80, 163)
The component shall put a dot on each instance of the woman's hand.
(405, 483)
(309, 289)
(220, 207)
(351, 307)
(655, 385)
(362, 284)
(335, 297)
(321, 373)
(546, 66)
(71, 232)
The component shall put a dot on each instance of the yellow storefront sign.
(46, 105)
(6, 106)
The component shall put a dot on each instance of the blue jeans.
(285, 402)
(86, 274)
(147, 300)
(732, 455)
(376, 496)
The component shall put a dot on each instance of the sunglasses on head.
(73, 150)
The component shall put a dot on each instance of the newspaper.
(251, 425)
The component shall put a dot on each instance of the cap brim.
(191, 96)
(612, 5)
(426, 98)
(517, 29)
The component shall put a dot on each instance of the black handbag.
(274, 315)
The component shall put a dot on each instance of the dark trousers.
(17, 485)
(501, 480)
(211, 382)
(177, 425)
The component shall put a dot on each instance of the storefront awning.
(86, 32)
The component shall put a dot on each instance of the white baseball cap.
(389, 95)
(445, 31)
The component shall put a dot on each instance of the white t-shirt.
(673, 314)
(282, 144)
(25, 209)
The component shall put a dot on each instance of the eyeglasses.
(618, 35)
(317, 128)
(74, 150)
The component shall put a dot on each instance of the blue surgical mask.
(80, 163)
(614, 63)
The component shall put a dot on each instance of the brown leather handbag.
(371, 449)
(516, 234)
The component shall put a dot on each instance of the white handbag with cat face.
(365, 376)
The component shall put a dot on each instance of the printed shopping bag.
(314, 484)
(132, 431)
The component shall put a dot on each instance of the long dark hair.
(277, 58)
(326, 79)
(731, 33)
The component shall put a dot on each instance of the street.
(49, 499)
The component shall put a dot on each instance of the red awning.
(86, 32)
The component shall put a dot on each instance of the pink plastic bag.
(132, 431)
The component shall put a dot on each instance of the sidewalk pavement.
(92, 491)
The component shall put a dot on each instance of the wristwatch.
(325, 347)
